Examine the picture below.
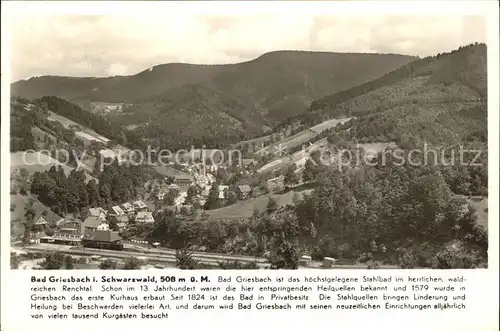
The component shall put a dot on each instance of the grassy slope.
(195, 111)
(244, 209)
(37, 161)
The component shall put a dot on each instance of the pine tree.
(191, 194)
(272, 205)
(310, 171)
(232, 197)
(290, 176)
(213, 197)
(93, 194)
(105, 193)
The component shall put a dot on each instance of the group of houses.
(106, 107)
(121, 215)
(96, 229)
(203, 182)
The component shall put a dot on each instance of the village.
(183, 190)
(185, 193)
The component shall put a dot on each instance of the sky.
(108, 45)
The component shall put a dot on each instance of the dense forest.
(193, 115)
(465, 65)
(25, 116)
(69, 194)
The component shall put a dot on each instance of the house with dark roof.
(103, 239)
(244, 191)
(44, 219)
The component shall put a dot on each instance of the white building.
(103, 227)
(222, 191)
(144, 217)
(180, 199)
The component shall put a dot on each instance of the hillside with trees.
(381, 215)
(438, 102)
(70, 194)
(466, 65)
(192, 115)
(30, 127)
(30, 116)
(96, 122)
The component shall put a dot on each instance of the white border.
(489, 278)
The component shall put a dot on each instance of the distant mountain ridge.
(263, 83)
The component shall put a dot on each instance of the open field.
(35, 162)
(88, 137)
(305, 136)
(298, 139)
(298, 158)
(329, 124)
(168, 171)
(38, 161)
(244, 209)
(68, 124)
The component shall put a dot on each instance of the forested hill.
(466, 66)
(266, 83)
(455, 80)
